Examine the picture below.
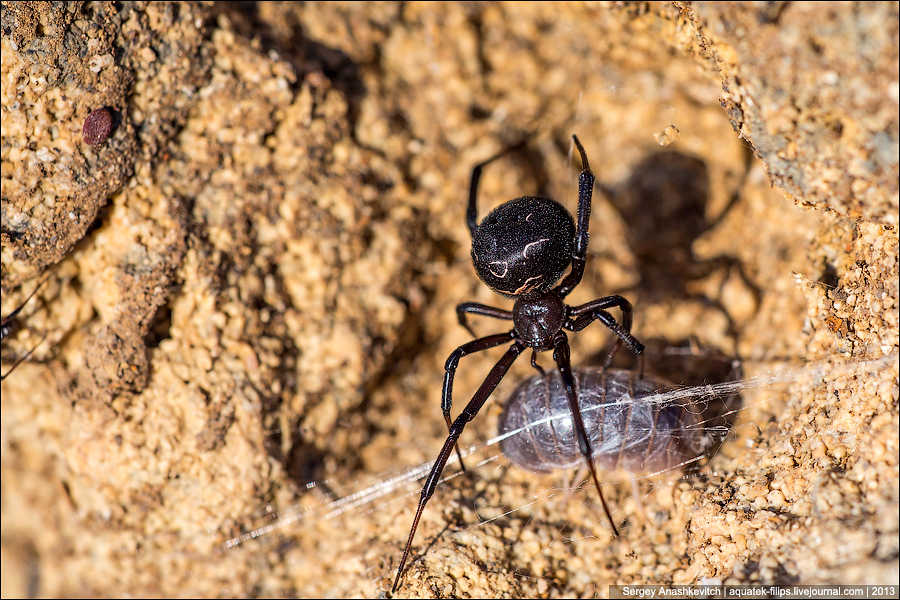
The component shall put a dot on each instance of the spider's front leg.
(474, 308)
(487, 387)
(472, 347)
(561, 356)
(594, 310)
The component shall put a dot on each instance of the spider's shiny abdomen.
(523, 246)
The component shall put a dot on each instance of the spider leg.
(607, 302)
(23, 358)
(594, 310)
(579, 254)
(472, 347)
(479, 309)
(607, 319)
(468, 413)
(534, 362)
(7, 324)
(472, 210)
(561, 356)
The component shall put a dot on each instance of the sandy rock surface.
(247, 290)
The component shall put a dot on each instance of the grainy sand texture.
(249, 285)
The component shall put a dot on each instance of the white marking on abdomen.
(527, 246)
(505, 268)
(528, 285)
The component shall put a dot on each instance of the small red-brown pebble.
(97, 127)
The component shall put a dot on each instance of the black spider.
(520, 250)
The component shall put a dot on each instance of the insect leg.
(479, 309)
(579, 254)
(561, 356)
(468, 413)
(472, 347)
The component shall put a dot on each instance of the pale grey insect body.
(629, 425)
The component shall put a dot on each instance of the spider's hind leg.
(472, 209)
(582, 237)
